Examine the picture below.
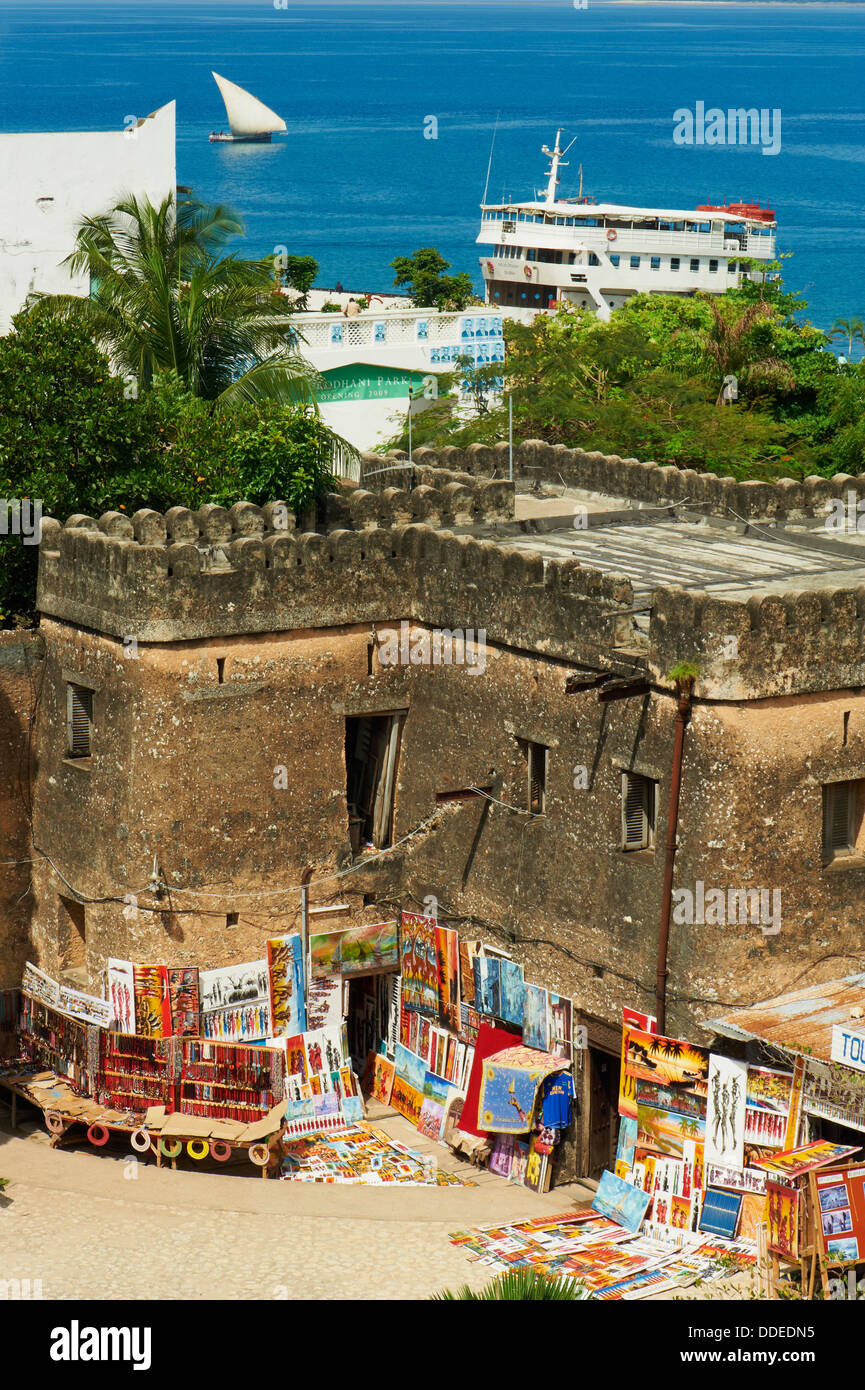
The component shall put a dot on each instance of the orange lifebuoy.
(611, 234)
(103, 1135)
(527, 271)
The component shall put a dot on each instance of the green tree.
(297, 273)
(165, 297)
(739, 342)
(423, 274)
(849, 331)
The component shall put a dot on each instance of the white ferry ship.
(597, 255)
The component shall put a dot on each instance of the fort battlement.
(649, 482)
(215, 573)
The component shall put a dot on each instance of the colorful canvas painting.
(767, 1089)
(626, 1142)
(41, 986)
(382, 1080)
(285, 972)
(467, 975)
(410, 1067)
(406, 1100)
(668, 1061)
(622, 1203)
(324, 1003)
(536, 1032)
(513, 992)
(752, 1213)
(152, 1003)
(488, 985)
(183, 994)
(89, 1008)
(435, 1096)
(665, 1131)
(448, 976)
(121, 995)
(509, 1088)
(235, 1002)
(782, 1214)
(355, 950)
(725, 1111)
(502, 1155)
(325, 1050)
(719, 1215)
(419, 963)
(794, 1162)
(561, 1012)
(537, 1174)
(519, 1160)
(295, 1057)
(627, 1082)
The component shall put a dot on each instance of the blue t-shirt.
(556, 1100)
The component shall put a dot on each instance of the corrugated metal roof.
(801, 1021)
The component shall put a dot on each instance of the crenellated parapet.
(188, 575)
(772, 644)
(645, 481)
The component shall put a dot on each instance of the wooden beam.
(623, 690)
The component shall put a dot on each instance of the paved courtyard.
(94, 1225)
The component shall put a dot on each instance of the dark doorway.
(371, 751)
(603, 1110)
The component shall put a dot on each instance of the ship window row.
(695, 263)
(639, 224)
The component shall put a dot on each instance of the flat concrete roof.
(669, 545)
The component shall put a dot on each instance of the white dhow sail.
(246, 114)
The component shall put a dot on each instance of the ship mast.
(555, 156)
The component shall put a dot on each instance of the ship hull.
(220, 137)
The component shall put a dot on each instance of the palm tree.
(165, 297)
(519, 1286)
(849, 330)
(729, 348)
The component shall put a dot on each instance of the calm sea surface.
(355, 182)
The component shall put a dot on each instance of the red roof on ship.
(752, 210)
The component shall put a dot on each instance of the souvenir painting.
(183, 994)
(488, 987)
(535, 1027)
(419, 963)
(121, 995)
(513, 992)
(782, 1214)
(519, 1159)
(537, 1175)
(560, 1013)
(725, 1112)
(382, 1083)
(720, 1212)
(152, 1003)
(285, 972)
(621, 1202)
(448, 976)
(501, 1157)
(406, 1100)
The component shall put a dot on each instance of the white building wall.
(49, 182)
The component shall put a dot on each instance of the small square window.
(656, 262)
(635, 263)
(713, 266)
(614, 260)
(695, 264)
(638, 811)
(674, 262)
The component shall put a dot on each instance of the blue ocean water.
(354, 182)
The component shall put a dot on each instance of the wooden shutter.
(636, 811)
(80, 716)
(838, 818)
(536, 758)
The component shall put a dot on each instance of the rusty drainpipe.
(684, 688)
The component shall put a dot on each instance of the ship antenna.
(555, 155)
(490, 164)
